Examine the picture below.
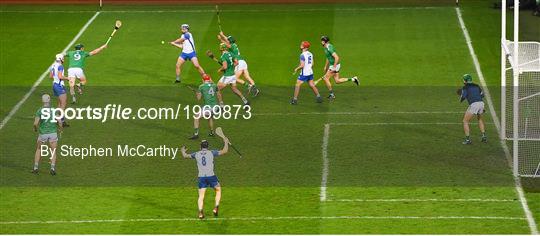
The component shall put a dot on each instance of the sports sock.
(53, 166)
(467, 137)
(484, 134)
(349, 79)
(177, 78)
(331, 91)
(36, 165)
(196, 131)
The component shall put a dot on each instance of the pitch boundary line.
(517, 181)
(423, 200)
(356, 113)
(45, 73)
(263, 218)
(233, 10)
(401, 123)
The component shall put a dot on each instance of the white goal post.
(520, 98)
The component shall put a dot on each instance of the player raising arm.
(474, 96)
(332, 66)
(227, 67)
(207, 177)
(306, 73)
(187, 44)
(47, 129)
(241, 67)
(77, 61)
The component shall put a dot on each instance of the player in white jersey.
(306, 73)
(187, 44)
(207, 177)
(57, 74)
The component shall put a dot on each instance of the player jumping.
(207, 178)
(187, 44)
(227, 67)
(306, 73)
(77, 60)
(47, 130)
(57, 74)
(474, 95)
(241, 68)
(332, 66)
(208, 93)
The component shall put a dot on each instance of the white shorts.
(228, 79)
(52, 137)
(334, 69)
(477, 108)
(242, 65)
(76, 73)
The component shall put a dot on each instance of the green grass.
(410, 60)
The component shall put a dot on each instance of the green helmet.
(231, 39)
(79, 46)
(467, 78)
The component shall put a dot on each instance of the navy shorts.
(210, 181)
(305, 78)
(188, 56)
(58, 89)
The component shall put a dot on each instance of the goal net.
(521, 105)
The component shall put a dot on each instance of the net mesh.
(528, 107)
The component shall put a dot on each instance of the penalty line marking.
(517, 181)
(269, 218)
(357, 113)
(45, 73)
(423, 200)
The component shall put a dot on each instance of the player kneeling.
(207, 177)
(208, 93)
(306, 73)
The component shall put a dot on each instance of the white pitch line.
(45, 73)
(401, 123)
(356, 113)
(423, 200)
(517, 181)
(269, 218)
(234, 10)
(324, 176)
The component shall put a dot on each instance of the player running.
(48, 133)
(332, 67)
(474, 95)
(187, 44)
(77, 61)
(57, 74)
(306, 73)
(208, 93)
(227, 61)
(241, 68)
(207, 177)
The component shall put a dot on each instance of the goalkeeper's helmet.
(231, 39)
(467, 78)
(79, 46)
(204, 144)
(325, 39)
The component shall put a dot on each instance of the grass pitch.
(390, 149)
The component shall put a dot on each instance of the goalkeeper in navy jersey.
(474, 95)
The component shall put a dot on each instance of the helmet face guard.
(325, 39)
(79, 46)
(467, 78)
(204, 144)
(231, 39)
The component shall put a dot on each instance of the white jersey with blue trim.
(189, 43)
(307, 58)
(56, 69)
(205, 161)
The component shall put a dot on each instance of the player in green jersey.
(227, 61)
(241, 67)
(47, 129)
(77, 60)
(332, 66)
(208, 93)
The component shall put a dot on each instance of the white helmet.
(60, 57)
(45, 98)
(185, 26)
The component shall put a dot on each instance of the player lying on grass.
(59, 91)
(208, 93)
(332, 67)
(187, 44)
(474, 95)
(306, 73)
(241, 68)
(48, 134)
(207, 177)
(227, 67)
(77, 60)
